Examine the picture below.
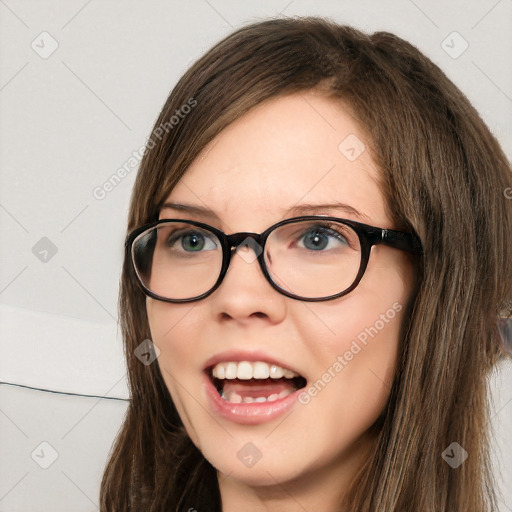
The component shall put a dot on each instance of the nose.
(245, 294)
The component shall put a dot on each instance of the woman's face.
(294, 150)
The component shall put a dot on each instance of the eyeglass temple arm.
(401, 240)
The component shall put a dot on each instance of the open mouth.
(255, 381)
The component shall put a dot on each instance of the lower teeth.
(235, 398)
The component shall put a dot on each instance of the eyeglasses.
(308, 258)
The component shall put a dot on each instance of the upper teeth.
(246, 370)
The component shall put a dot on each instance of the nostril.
(259, 314)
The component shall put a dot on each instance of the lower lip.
(248, 414)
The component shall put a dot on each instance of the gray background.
(81, 83)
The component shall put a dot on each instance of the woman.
(332, 352)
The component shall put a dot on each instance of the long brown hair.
(443, 175)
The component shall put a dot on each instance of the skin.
(282, 153)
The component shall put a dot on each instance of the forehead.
(296, 149)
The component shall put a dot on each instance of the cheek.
(352, 371)
(355, 321)
(353, 344)
(356, 347)
(173, 333)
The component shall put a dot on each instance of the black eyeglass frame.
(368, 237)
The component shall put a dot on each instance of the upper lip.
(244, 355)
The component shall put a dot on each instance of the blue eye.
(319, 238)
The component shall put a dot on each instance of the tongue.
(255, 388)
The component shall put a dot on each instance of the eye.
(192, 241)
(318, 238)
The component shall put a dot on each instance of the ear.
(505, 326)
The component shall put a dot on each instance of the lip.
(247, 414)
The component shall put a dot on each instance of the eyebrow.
(301, 209)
